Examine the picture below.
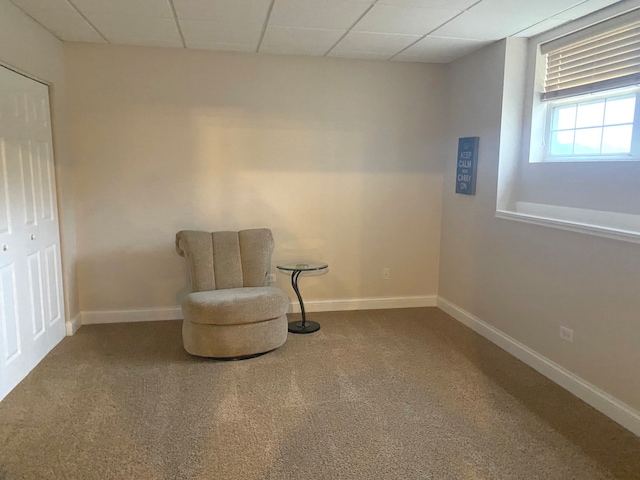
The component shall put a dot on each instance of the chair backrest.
(220, 260)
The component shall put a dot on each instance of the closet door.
(31, 308)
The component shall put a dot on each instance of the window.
(576, 91)
(600, 128)
(590, 93)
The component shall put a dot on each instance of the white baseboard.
(598, 399)
(73, 325)
(175, 313)
(129, 316)
(373, 303)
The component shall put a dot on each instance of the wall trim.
(598, 399)
(175, 313)
(571, 226)
(130, 316)
(371, 303)
(73, 325)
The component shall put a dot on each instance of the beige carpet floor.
(388, 394)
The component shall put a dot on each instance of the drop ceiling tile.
(538, 28)
(398, 19)
(443, 47)
(154, 42)
(299, 40)
(61, 19)
(220, 32)
(333, 14)
(139, 31)
(125, 8)
(538, 9)
(360, 55)
(68, 27)
(584, 9)
(294, 50)
(28, 5)
(424, 58)
(484, 26)
(229, 47)
(231, 11)
(374, 42)
(446, 4)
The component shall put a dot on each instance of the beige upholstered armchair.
(231, 312)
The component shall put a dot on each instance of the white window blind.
(602, 57)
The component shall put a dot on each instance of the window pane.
(564, 118)
(562, 142)
(590, 114)
(588, 141)
(617, 139)
(620, 111)
(594, 127)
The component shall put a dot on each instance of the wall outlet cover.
(566, 334)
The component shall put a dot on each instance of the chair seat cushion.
(233, 306)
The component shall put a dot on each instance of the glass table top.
(302, 266)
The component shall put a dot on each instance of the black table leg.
(303, 326)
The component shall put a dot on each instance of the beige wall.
(26, 47)
(341, 159)
(527, 280)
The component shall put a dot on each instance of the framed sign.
(467, 165)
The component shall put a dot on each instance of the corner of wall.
(513, 100)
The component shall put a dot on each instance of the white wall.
(26, 47)
(527, 280)
(342, 159)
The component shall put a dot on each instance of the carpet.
(384, 394)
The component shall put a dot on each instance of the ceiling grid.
(435, 31)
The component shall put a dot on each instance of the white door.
(31, 308)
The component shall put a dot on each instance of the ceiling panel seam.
(35, 20)
(350, 28)
(545, 19)
(87, 20)
(264, 26)
(429, 33)
(175, 18)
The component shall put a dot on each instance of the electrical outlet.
(566, 334)
(271, 277)
(386, 273)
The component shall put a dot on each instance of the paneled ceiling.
(404, 30)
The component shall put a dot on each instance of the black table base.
(302, 326)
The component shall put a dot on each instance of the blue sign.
(467, 165)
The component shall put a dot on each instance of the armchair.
(231, 312)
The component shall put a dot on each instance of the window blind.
(599, 58)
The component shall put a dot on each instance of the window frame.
(550, 105)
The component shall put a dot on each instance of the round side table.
(296, 269)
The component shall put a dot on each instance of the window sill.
(592, 159)
(618, 226)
